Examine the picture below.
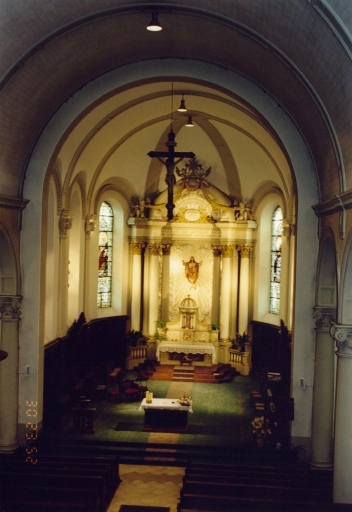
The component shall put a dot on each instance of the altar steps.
(183, 373)
(200, 374)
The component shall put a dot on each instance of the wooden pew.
(251, 490)
(325, 489)
(41, 481)
(61, 460)
(199, 503)
(22, 498)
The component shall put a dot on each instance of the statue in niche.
(192, 269)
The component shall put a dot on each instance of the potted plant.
(135, 338)
(215, 326)
(241, 340)
(160, 329)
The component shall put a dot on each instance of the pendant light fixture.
(182, 107)
(189, 123)
(154, 25)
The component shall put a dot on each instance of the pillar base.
(11, 448)
(321, 465)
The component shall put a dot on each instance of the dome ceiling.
(293, 51)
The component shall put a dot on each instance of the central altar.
(188, 339)
(165, 415)
(203, 353)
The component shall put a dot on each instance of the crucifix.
(170, 164)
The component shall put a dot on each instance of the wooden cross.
(170, 164)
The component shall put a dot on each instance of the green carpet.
(221, 415)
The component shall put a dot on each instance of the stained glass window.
(275, 271)
(106, 222)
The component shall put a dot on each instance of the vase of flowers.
(261, 430)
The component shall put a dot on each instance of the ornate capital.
(156, 249)
(90, 224)
(342, 334)
(216, 250)
(137, 248)
(227, 251)
(10, 307)
(166, 248)
(65, 223)
(324, 317)
(245, 250)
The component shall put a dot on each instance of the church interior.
(175, 213)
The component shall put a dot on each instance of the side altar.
(188, 340)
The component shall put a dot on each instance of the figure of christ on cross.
(170, 164)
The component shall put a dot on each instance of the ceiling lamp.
(182, 107)
(189, 121)
(154, 25)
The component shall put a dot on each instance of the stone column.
(90, 284)
(65, 224)
(9, 341)
(165, 285)
(155, 250)
(323, 390)
(343, 414)
(216, 283)
(226, 291)
(137, 249)
(245, 251)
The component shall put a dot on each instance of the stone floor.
(157, 486)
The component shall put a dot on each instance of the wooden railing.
(240, 361)
(135, 356)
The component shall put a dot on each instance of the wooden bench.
(251, 490)
(106, 466)
(325, 489)
(190, 502)
(37, 480)
(24, 498)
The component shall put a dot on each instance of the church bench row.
(191, 502)
(252, 490)
(253, 487)
(62, 461)
(23, 498)
(324, 487)
(86, 482)
(301, 476)
(41, 483)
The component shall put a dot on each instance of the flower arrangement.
(185, 399)
(261, 427)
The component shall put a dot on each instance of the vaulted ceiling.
(298, 52)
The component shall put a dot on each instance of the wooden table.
(165, 415)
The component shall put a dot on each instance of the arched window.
(275, 271)
(106, 224)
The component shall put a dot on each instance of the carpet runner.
(183, 373)
(136, 508)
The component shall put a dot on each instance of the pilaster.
(9, 341)
(342, 334)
